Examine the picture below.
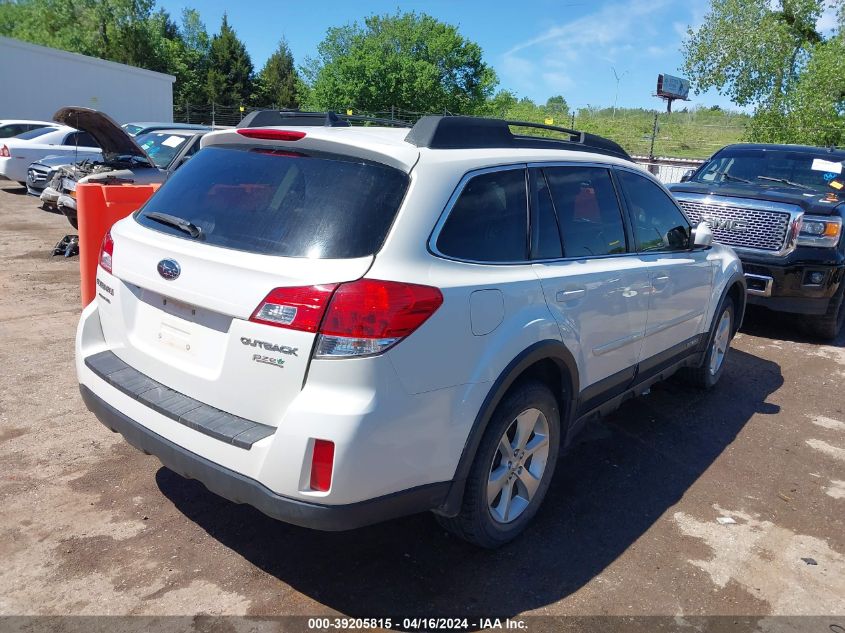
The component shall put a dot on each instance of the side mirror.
(702, 236)
(687, 175)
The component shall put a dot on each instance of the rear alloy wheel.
(518, 466)
(512, 469)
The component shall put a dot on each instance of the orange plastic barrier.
(98, 208)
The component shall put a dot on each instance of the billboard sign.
(670, 87)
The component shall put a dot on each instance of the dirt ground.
(91, 526)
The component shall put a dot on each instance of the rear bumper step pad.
(192, 413)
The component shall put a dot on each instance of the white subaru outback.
(339, 325)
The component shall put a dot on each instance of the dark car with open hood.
(146, 158)
(781, 208)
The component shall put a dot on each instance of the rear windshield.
(132, 129)
(39, 131)
(281, 203)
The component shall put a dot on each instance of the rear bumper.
(241, 489)
(791, 288)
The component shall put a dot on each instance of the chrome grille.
(762, 229)
(35, 176)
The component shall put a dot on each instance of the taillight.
(271, 134)
(107, 252)
(359, 318)
(299, 308)
(368, 316)
(4, 152)
(322, 461)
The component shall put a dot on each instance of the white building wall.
(35, 81)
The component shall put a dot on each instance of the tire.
(828, 325)
(719, 343)
(528, 413)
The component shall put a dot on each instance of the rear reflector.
(107, 252)
(271, 134)
(359, 318)
(321, 465)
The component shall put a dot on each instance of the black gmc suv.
(781, 208)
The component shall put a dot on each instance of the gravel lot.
(90, 526)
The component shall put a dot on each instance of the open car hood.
(114, 142)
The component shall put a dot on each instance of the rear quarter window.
(489, 220)
(281, 203)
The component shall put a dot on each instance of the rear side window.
(39, 131)
(12, 129)
(489, 220)
(282, 203)
(81, 139)
(658, 223)
(545, 233)
(588, 211)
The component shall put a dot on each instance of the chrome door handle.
(662, 278)
(569, 295)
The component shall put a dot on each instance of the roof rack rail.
(467, 132)
(265, 118)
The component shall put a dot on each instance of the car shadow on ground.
(782, 326)
(12, 188)
(611, 487)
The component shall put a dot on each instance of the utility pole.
(653, 167)
(619, 78)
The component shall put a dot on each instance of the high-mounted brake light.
(4, 152)
(271, 134)
(107, 252)
(359, 318)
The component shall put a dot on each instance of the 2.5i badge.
(269, 360)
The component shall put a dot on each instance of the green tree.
(813, 112)
(408, 60)
(500, 104)
(277, 82)
(557, 108)
(229, 80)
(752, 50)
(189, 59)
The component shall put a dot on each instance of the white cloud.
(613, 34)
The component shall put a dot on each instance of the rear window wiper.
(785, 181)
(171, 220)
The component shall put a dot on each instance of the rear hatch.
(186, 306)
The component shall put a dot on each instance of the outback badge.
(169, 269)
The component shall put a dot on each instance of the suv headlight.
(819, 230)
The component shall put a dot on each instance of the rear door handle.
(569, 295)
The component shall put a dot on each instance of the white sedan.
(13, 127)
(16, 154)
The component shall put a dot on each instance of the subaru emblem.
(169, 269)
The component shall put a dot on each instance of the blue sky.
(539, 48)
